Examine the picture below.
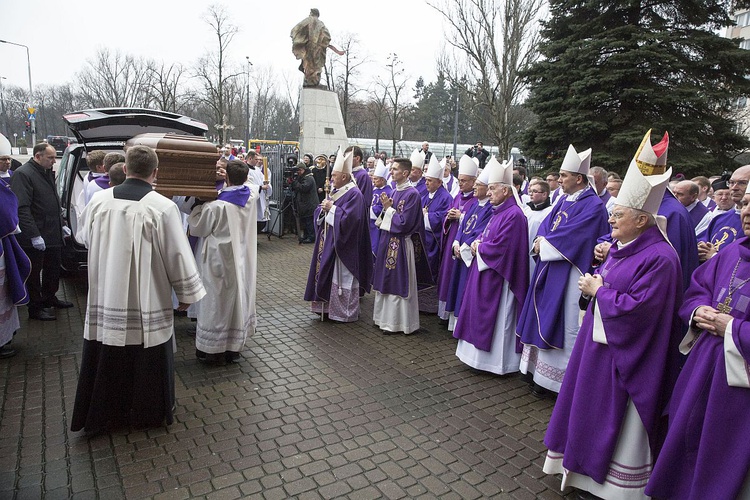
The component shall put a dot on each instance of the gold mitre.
(652, 160)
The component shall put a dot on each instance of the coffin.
(187, 164)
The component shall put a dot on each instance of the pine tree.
(610, 70)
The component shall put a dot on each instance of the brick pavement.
(313, 410)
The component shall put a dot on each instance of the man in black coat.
(479, 153)
(41, 236)
(305, 190)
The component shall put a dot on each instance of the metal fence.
(279, 156)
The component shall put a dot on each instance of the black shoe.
(7, 351)
(386, 332)
(60, 304)
(44, 314)
(539, 391)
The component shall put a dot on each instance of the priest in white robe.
(228, 267)
(138, 253)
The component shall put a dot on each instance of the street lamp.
(247, 105)
(31, 99)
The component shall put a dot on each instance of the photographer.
(305, 192)
(479, 153)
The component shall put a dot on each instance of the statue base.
(321, 124)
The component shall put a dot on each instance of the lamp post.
(247, 105)
(31, 99)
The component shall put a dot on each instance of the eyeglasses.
(733, 182)
(617, 215)
(535, 192)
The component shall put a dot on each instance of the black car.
(60, 143)
(107, 129)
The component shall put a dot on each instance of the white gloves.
(38, 243)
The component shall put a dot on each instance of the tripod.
(287, 203)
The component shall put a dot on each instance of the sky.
(61, 36)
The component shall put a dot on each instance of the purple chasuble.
(437, 207)
(724, 229)
(17, 264)
(572, 227)
(391, 274)
(705, 454)
(348, 239)
(237, 197)
(504, 248)
(463, 202)
(473, 225)
(377, 209)
(364, 183)
(638, 305)
(681, 234)
(697, 213)
(420, 186)
(605, 197)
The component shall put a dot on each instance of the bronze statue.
(310, 39)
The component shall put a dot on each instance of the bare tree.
(343, 70)
(167, 90)
(492, 42)
(113, 79)
(212, 70)
(392, 92)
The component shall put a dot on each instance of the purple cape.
(391, 274)
(464, 203)
(705, 454)
(505, 249)
(724, 229)
(237, 197)
(638, 305)
(377, 208)
(474, 223)
(572, 228)
(348, 239)
(17, 264)
(364, 183)
(437, 207)
(681, 234)
(697, 213)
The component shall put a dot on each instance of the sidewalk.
(313, 410)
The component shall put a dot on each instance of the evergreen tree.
(610, 70)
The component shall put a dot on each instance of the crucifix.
(224, 126)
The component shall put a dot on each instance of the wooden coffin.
(187, 164)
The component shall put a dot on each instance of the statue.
(310, 39)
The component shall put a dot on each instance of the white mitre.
(344, 163)
(647, 176)
(380, 169)
(4, 146)
(578, 163)
(501, 172)
(417, 159)
(434, 169)
(467, 166)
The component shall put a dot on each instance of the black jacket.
(307, 194)
(39, 211)
(479, 154)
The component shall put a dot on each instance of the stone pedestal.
(321, 124)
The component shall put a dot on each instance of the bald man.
(687, 192)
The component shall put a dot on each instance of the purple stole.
(17, 264)
(705, 452)
(681, 233)
(711, 205)
(555, 194)
(391, 274)
(449, 185)
(102, 181)
(504, 248)
(638, 305)
(473, 225)
(572, 228)
(377, 208)
(420, 186)
(237, 197)
(463, 202)
(348, 239)
(723, 229)
(697, 213)
(437, 207)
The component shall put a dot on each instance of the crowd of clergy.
(625, 299)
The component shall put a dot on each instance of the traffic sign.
(32, 116)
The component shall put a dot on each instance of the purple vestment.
(463, 202)
(237, 197)
(437, 207)
(364, 183)
(638, 305)
(377, 208)
(17, 264)
(605, 197)
(697, 213)
(391, 276)
(723, 229)
(102, 181)
(473, 224)
(504, 248)
(420, 186)
(348, 239)
(681, 234)
(705, 454)
(572, 227)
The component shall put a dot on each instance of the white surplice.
(227, 261)
(131, 275)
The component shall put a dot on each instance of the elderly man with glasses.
(727, 227)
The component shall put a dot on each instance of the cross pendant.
(724, 307)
